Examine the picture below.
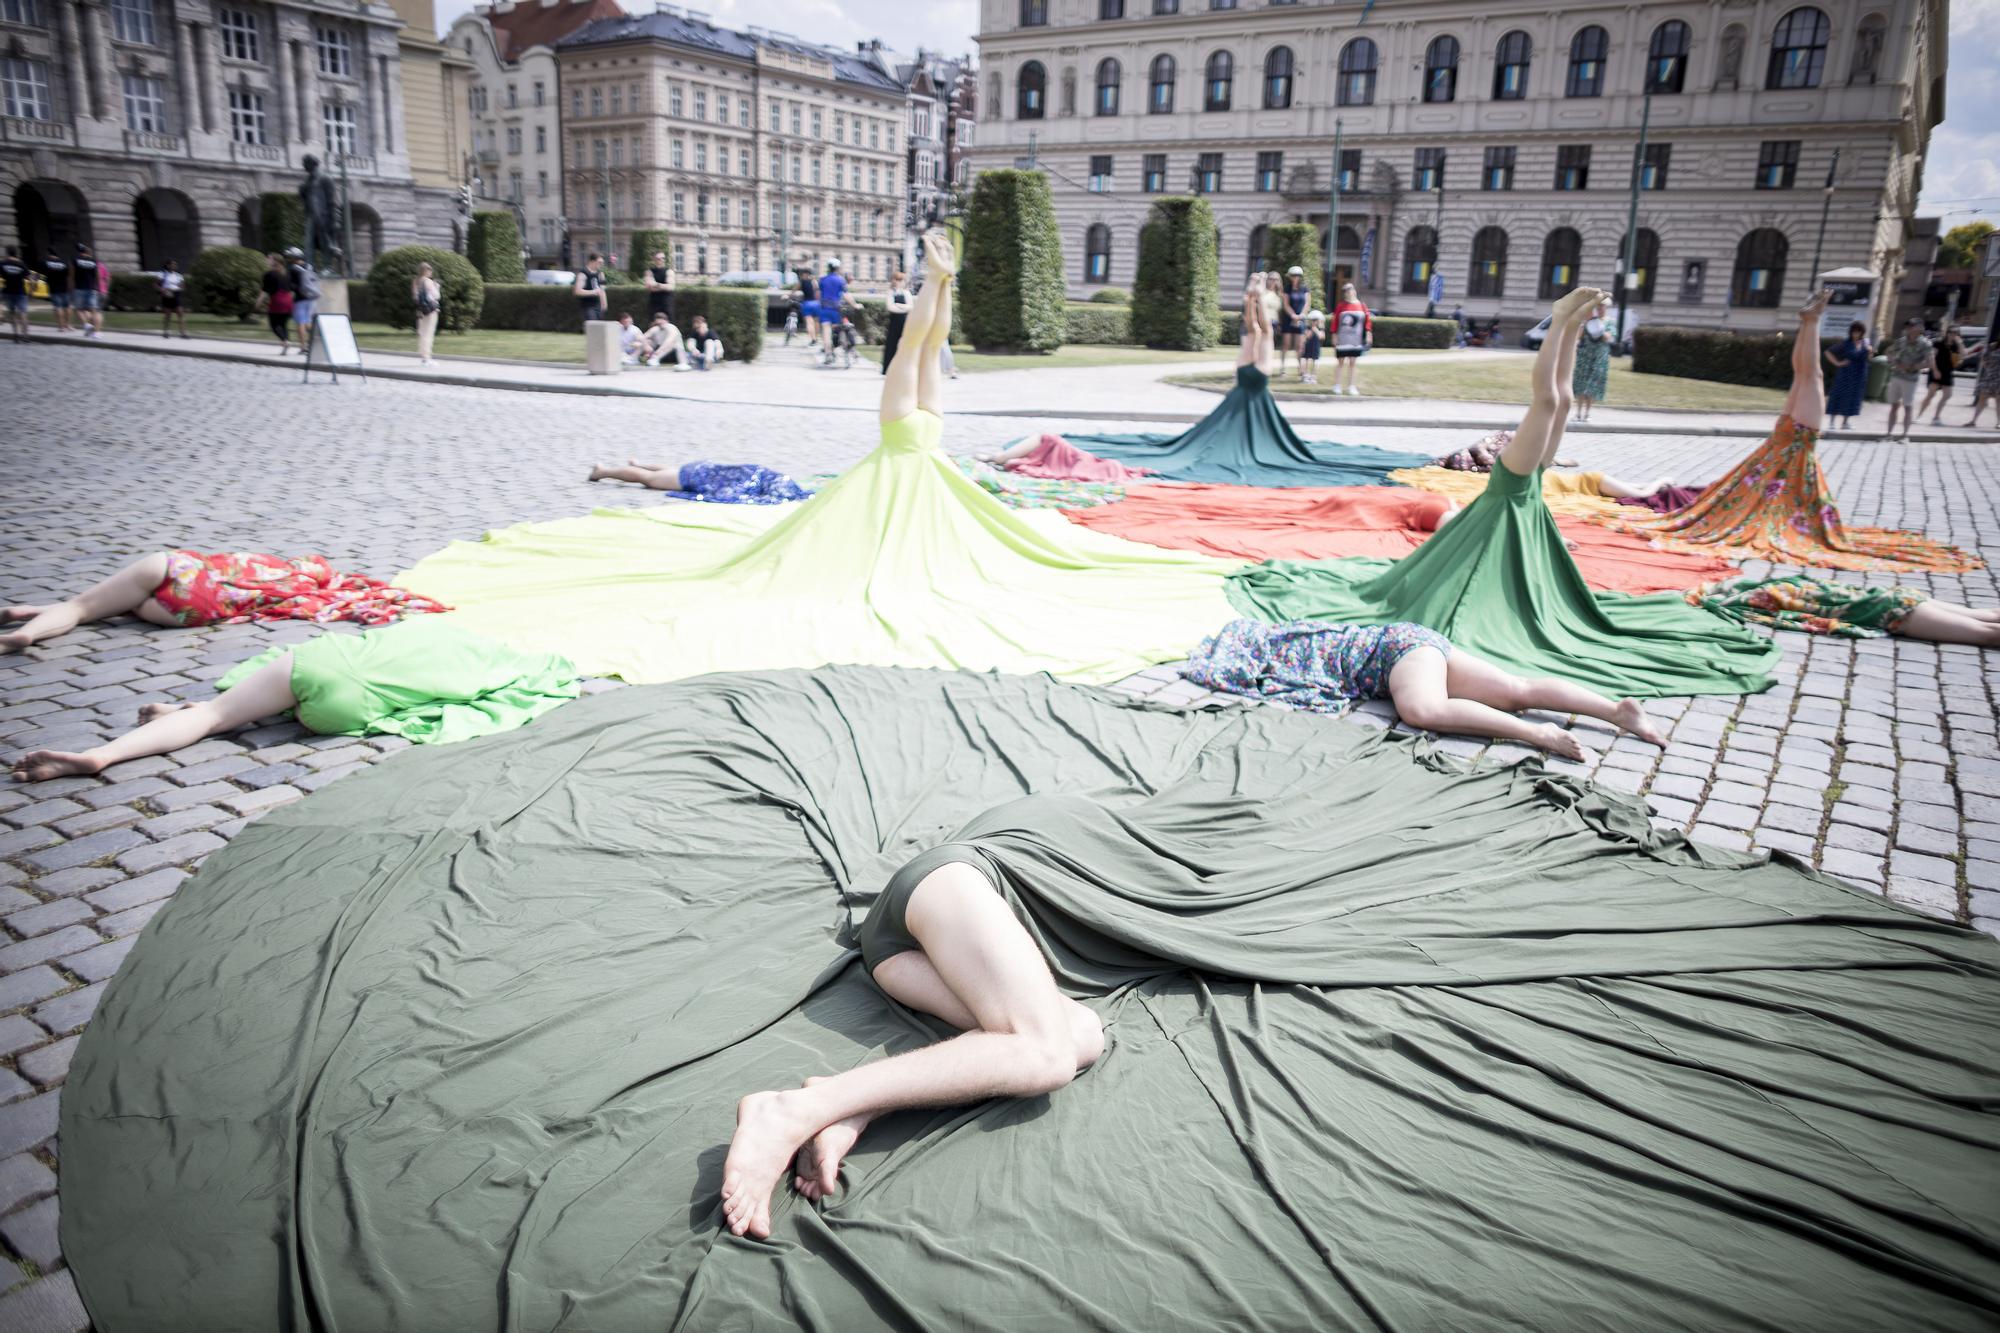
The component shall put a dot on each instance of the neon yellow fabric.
(901, 562)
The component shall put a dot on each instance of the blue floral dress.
(1310, 664)
(737, 484)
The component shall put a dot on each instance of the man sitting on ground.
(703, 348)
(631, 341)
(663, 343)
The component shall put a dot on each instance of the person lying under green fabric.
(1854, 611)
(425, 680)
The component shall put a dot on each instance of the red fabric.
(231, 587)
(1261, 523)
(1055, 459)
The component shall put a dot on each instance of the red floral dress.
(231, 587)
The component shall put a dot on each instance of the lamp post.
(1333, 224)
(1437, 238)
(1627, 268)
(1826, 206)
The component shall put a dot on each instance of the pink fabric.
(1055, 459)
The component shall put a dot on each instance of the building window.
(246, 116)
(1653, 166)
(1111, 9)
(548, 234)
(743, 167)
(1645, 259)
(515, 190)
(1031, 92)
(337, 119)
(1586, 62)
(1155, 181)
(1760, 268)
(132, 21)
(1667, 57)
(1107, 87)
(1510, 67)
(617, 99)
(1693, 278)
(596, 101)
(513, 141)
(1166, 6)
(1219, 82)
(1208, 174)
(1100, 175)
(576, 102)
(1441, 70)
(680, 206)
(1278, 79)
(336, 52)
(1573, 167)
(1253, 260)
(1160, 86)
(816, 219)
(798, 165)
(721, 108)
(541, 94)
(1428, 173)
(1499, 171)
(1270, 172)
(26, 85)
(1777, 164)
(1562, 251)
(700, 155)
(743, 116)
(541, 185)
(1350, 169)
(1097, 253)
(1357, 73)
(1489, 263)
(1034, 13)
(541, 138)
(1420, 252)
(22, 11)
(795, 119)
(677, 152)
(145, 104)
(701, 104)
(239, 34)
(742, 212)
(1798, 50)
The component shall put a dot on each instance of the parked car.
(1532, 339)
(551, 277)
(770, 280)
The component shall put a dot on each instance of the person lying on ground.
(1851, 610)
(717, 483)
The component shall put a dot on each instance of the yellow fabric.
(1574, 494)
(903, 561)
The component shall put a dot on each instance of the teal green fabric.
(1393, 1043)
(1247, 441)
(1498, 581)
(424, 679)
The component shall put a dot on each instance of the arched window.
(1260, 240)
(1420, 253)
(1489, 263)
(1561, 253)
(1441, 70)
(1510, 67)
(1097, 253)
(1645, 261)
(1357, 73)
(1798, 50)
(1278, 78)
(1160, 86)
(1218, 82)
(1667, 58)
(1586, 62)
(1031, 93)
(1107, 87)
(1760, 268)
(1034, 13)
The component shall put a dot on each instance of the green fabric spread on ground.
(901, 562)
(1498, 580)
(1393, 1043)
(429, 680)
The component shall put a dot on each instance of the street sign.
(333, 340)
(1437, 288)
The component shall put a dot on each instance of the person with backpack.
(304, 284)
(428, 298)
(276, 302)
(14, 285)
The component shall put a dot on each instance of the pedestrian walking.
(55, 272)
(276, 302)
(832, 307)
(304, 285)
(173, 304)
(14, 292)
(659, 288)
(1986, 389)
(1850, 380)
(428, 299)
(1593, 362)
(898, 307)
(809, 305)
(1911, 358)
(1950, 351)
(589, 289)
(1353, 335)
(88, 280)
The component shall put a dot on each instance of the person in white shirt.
(704, 349)
(173, 302)
(663, 341)
(631, 341)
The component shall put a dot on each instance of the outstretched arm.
(1806, 403)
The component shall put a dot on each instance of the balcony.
(262, 154)
(40, 133)
(145, 141)
(359, 164)
(1310, 183)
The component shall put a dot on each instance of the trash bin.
(1878, 379)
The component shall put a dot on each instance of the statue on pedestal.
(322, 226)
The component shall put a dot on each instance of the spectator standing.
(1353, 335)
(897, 307)
(86, 297)
(55, 272)
(809, 305)
(703, 348)
(832, 294)
(428, 299)
(1911, 358)
(1593, 362)
(276, 302)
(1310, 346)
(1292, 319)
(589, 289)
(1850, 377)
(14, 292)
(304, 284)
(173, 304)
(1986, 389)
(1950, 351)
(659, 288)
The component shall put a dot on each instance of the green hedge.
(1098, 325)
(389, 287)
(1110, 296)
(1292, 243)
(737, 316)
(1390, 331)
(1173, 301)
(135, 291)
(644, 242)
(226, 280)
(493, 245)
(281, 220)
(1011, 293)
(1762, 360)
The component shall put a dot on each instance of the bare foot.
(147, 712)
(15, 642)
(1631, 716)
(42, 765)
(818, 1163)
(1558, 742)
(598, 471)
(20, 612)
(1816, 307)
(771, 1127)
(1568, 306)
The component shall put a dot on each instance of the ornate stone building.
(149, 127)
(1492, 142)
(746, 146)
(943, 98)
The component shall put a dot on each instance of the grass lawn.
(505, 344)
(1505, 380)
(1081, 354)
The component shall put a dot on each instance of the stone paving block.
(47, 1305)
(1936, 899)
(41, 812)
(85, 850)
(1871, 797)
(43, 948)
(66, 1013)
(1854, 838)
(45, 917)
(1851, 865)
(1777, 839)
(1930, 816)
(171, 801)
(100, 963)
(31, 1233)
(215, 747)
(1915, 772)
(174, 851)
(1684, 767)
(1928, 793)
(1935, 842)
(119, 793)
(1799, 797)
(184, 821)
(144, 767)
(121, 924)
(1715, 836)
(270, 775)
(1983, 874)
(278, 754)
(26, 1123)
(29, 985)
(1722, 814)
(1755, 774)
(222, 766)
(95, 821)
(22, 1178)
(14, 900)
(19, 1034)
(1917, 866)
(1736, 793)
(25, 840)
(314, 781)
(67, 883)
(252, 802)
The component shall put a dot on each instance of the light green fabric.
(1393, 1044)
(1499, 581)
(427, 679)
(901, 562)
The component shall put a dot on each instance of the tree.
(1011, 268)
(1964, 246)
(1297, 243)
(646, 243)
(1175, 299)
(493, 244)
(281, 221)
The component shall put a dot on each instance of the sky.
(1961, 180)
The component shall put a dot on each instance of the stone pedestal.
(600, 347)
(333, 297)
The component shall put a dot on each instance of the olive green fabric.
(1393, 1043)
(1498, 580)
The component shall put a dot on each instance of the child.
(1310, 348)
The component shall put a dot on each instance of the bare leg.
(658, 479)
(266, 691)
(1535, 438)
(124, 591)
(1941, 622)
(1471, 677)
(1024, 1046)
(1806, 403)
(1417, 688)
(1565, 381)
(942, 267)
(1625, 490)
(902, 382)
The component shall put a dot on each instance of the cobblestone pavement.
(1874, 760)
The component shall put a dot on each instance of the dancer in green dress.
(1499, 581)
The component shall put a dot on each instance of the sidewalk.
(787, 377)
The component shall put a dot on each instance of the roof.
(531, 23)
(698, 34)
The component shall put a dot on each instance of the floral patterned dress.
(737, 484)
(233, 587)
(1310, 664)
(1776, 506)
(1816, 606)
